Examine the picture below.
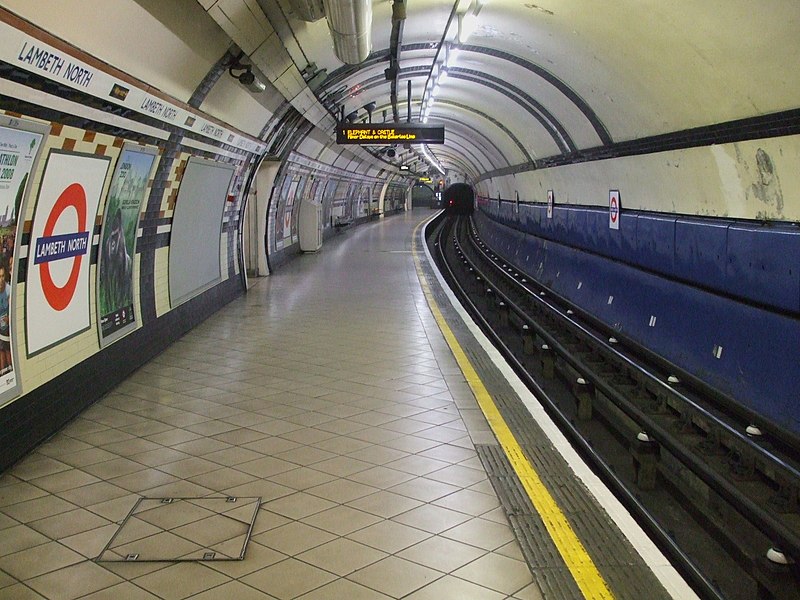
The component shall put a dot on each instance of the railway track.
(719, 496)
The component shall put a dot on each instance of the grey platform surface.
(327, 391)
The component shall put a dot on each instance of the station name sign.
(383, 133)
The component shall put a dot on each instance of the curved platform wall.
(148, 78)
(68, 354)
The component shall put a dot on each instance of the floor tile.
(265, 467)
(458, 475)
(19, 492)
(341, 490)
(125, 590)
(299, 505)
(453, 587)
(39, 508)
(377, 455)
(6, 580)
(232, 456)
(116, 509)
(240, 436)
(234, 590)
(293, 538)
(271, 445)
(20, 591)
(423, 489)
(38, 560)
(481, 533)
(381, 477)
(76, 581)
(469, 502)
(389, 536)
(497, 572)
(90, 543)
(143, 480)
(430, 518)
(342, 588)
(342, 466)
(342, 556)
(38, 466)
(68, 523)
(257, 557)
(341, 520)
(6, 521)
(442, 554)
(20, 537)
(385, 504)
(93, 493)
(288, 579)
(181, 580)
(158, 457)
(189, 467)
(395, 577)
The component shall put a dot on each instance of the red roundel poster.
(57, 282)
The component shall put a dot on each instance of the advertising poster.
(287, 215)
(115, 299)
(300, 194)
(280, 210)
(57, 286)
(20, 146)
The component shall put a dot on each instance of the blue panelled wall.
(708, 282)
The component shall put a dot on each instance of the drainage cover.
(184, 529)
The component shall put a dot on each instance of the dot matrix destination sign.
(389, 133)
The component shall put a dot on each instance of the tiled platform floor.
(327, 391)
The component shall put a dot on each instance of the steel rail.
(699, 581)
(786, 540)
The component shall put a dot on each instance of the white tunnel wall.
(725, 180)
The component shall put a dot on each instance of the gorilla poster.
(115, 300)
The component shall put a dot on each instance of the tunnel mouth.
(459, 198)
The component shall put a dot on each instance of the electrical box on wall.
(310, 226)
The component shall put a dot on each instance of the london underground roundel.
(57, 283)
(613, 209)
(51, 248)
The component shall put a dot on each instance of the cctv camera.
(248, 80)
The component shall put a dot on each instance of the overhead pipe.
(395, 44)
(350, 23)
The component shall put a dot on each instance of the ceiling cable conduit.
(308, 10)
(392, 74)
(350, 23)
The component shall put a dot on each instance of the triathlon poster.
(280, 210)
(287, 214)
(117, 249)
(57, 285)
(20, 145)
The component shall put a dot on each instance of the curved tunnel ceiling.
(538, 83)
(539, 80)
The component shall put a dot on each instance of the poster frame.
(133, 325)
(91, 221)
(614, 209)
(36, 128)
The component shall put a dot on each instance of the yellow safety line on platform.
(577, 559)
